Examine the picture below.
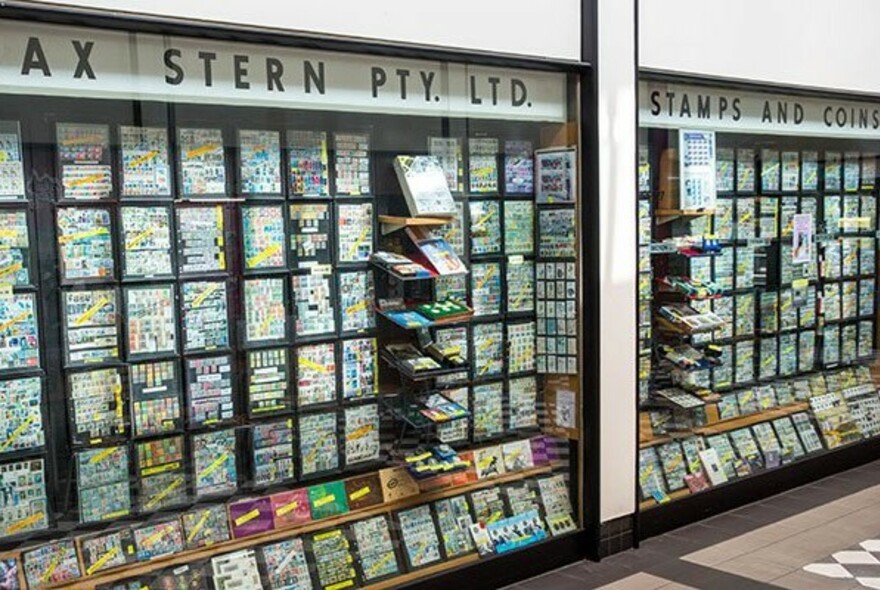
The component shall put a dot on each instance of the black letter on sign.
(704, 106)
(35, 58)
(798, 113)
(177, 78)
(83, 52)
(403, 75)
(379, 78)
(518, 92)
(493, 82)
(474, 98)
(314, 77)
(427, 80)
(208, 57)
(239, 62)
(655, 102)
(274, 71)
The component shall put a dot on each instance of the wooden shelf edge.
(666, 215)
(752, 419)
(424, 572)
(203, 553)
(393, 223)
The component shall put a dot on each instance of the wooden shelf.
(392, 223)
(658, 440)
(666, 215)
(673, 496)
(751, 419)
(203, 553)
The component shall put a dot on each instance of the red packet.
(291, 508)
(251, 517)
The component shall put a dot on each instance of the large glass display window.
(281, 318)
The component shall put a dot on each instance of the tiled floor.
(766, 545)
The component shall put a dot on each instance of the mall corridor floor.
(822, 536)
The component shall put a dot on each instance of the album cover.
(268, 387)
(376, 556)
(483, 164)
(519, 173)
(161, 480)
(488, 461)
(517, 455)
(21, 414)
(286, 565)
(236, 570)
(448, 152)
(85, 161)
(102, 484)
(202, 162)
(316, 374)
(488, 350)
(556, 176)
(85, 246)
(425, 186)
(158, 540)
(262, 236)
(364, 491)
(201, 240)
(419, 535)
(454, 519)
(205, 526)
(327, 500)
(291, 508)
(250, 516)
(151, 320)
(265, 310)
(352, 164)
(205, 315)
(318, 443)
(146, 170)
(51, 564)
(313, 302)
(310, 234)
(361, 434)
(24, 507)
(97, 405)
(273, 453)
(519, 227)
(356, 301)
(521, 286)
(209, 391)
(11, 168)
(486, 288)
(556, 233)
(146, 239)
(485, 229)
(260, 162)
(674, 466)
(308, 163)
(333, 561)
(214, 463)
(488, 505)
(155, 390)
(107, 550)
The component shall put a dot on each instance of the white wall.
(813, 43)
(486, 25)
(617, 267)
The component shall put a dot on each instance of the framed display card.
(262, 229)
(11, 163)
(419, 535)
(214, 463)
(160, 468)
(745, 170)
(84, 158)
(265, 310)
(151, 318)
(318, 443)
(521, 286)
(455, 431)
(352, 164)
(102, 483)
(523, 402)
(316, 374)
(557, 504)
(202, 162)
(158, 540)
(333, 561)
(18, 332)
(376, 557)
(201, 240)
(519, 167)
(268, 385)
(107, 550)
(483, 164)
(209, 391)
(519, 227)
(260, 162)
(48, 565)
(146, 238)
(273, 455)
(360, 369)
(205, 526)
(146, 171)
(356, 301)
(485, 227)
(454, 232)
(488, 408)
(21, 415)
(448, 152)
(310, 234)
(454, 520)
(97, 405)
(84, 244)
(520, 347)
(287, 567)
(354, 232)
(24, 508)
(851, 172)
(486, 288)
(361, 434)
(488, 505)
(236, 570)
(556, 233)
(308, 163)
(770, 170)
(15, 257)
(313, 304)
(488, 350)
(155, 390)
(205, 316)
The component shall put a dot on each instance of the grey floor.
(766, 545)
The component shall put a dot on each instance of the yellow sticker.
(158, 497)
(357, 307)
(18, 318)
(135, 241)
(200, 151)
(200, 298)
(287, 508)
(24, 523)
(85, 180)
(82, 235)
(325, 500)
(198, 527)
(11, 268)
(307, 362)
(247, 517)
(214, 466)
(95, 308)
(102, 561)
(357, 495)
(102, 455)
(17, 432)
(143, 159)
(361, 239)
(266, 253)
